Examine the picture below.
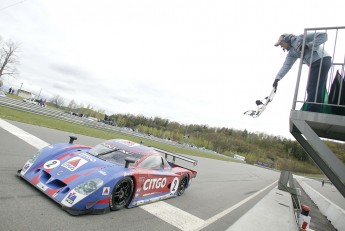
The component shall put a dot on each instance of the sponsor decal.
(88, 157)
(42, 186)
(71, 198)
(74, 163)
(106, 191)
(51, 164)
(25, 168)
(154, 183)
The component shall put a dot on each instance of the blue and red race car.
(112, 175)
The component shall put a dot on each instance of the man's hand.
(275, 83)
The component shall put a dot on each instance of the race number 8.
(174, 185)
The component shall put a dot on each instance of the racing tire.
(121, 194)
(183, 185)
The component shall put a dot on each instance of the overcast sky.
(190, 61)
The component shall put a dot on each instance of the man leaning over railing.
(318, 60)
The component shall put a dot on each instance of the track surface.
(221, 193)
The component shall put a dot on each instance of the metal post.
(299, 72)
(39, 94)
(21, 85)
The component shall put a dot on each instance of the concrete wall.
(334, 213)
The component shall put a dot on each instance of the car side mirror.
(72, 139)
(129, 161)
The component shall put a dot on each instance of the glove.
(275, 83)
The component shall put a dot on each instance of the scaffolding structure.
(311, 128)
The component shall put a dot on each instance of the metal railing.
(335, 46)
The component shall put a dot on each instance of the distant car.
(30, 100)
(112, 175)
(34, 101)
(109, 122)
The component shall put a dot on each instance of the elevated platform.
(324, 125)
(307, 128)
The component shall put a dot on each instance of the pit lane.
(220, 195)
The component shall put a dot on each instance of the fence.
(333, 96)
(60, 115)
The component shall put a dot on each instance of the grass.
(29, 118)
(14, 96)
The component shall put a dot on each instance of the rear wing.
(174, 156)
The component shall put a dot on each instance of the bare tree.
(8, 57)
(72, 105)
(58, 101)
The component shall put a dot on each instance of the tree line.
(275, 151)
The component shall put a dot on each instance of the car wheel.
(183, 185)
(121, 194)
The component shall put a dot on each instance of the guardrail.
(56, 114)
(328, 96)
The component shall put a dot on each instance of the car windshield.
(112, 154)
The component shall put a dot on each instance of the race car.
(109, 176)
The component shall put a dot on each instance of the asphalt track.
(220, 195)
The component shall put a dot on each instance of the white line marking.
(168, 213)
(174, 216)
(186, 221)
(27, 137)
(232, 208)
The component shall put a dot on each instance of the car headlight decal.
(81, 191)
(30, 162)
(89, 186)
